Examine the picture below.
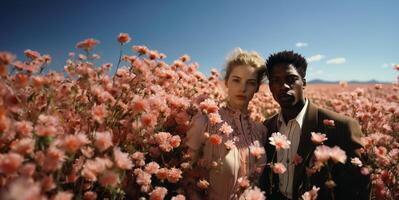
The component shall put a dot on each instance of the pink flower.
(175, 141)
(48, 183)
(22, 188)
(9, 163)
(53, 160)
(256, 149)
(311, 194)
(203, 184)
(208, 106)
(45, 131)
(32, 54)
(185, 58)
(338, 155)
(140, 49)
(229, 144)
(24, 128)
(356, 161)
(99, 113)
(318, 138)
(90, 195)
(279, 141)
(109, 178)
(279, 168)
(152, 168)
(140, 105)
(138, 157)
(122, 160)
(6, 58)
(103, 140)
(322, 153)
(179, 197)
(149, 120)
(214, 118)
(87, 44)
(174, 175)
(329, 122)
(123, 38)
(253, 194)
(162, 173)
(215, 139)
(61, 195)
(23, 146)
(158, 193)
(72, 143)
(243, 182)
(226, 129)
(142, 177)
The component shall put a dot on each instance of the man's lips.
(285, 97)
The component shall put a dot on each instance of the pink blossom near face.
(208, 106)
(226, 129)
(214, 118)
(279, 141)
(318, 138)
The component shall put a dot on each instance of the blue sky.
(345, 40)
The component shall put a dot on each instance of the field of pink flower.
(85, 133)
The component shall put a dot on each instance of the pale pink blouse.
(232, 163)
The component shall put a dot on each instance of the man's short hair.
(287, 57)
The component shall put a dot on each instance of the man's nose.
(285, 86)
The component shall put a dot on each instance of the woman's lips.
(242, 97)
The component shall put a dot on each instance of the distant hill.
(353, 81)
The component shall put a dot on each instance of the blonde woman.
(225, 163)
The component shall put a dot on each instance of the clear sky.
(343, 39)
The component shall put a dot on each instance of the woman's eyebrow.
(235, 76)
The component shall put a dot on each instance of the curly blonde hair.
(241, 57)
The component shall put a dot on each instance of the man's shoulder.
(270, 120)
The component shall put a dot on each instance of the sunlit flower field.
(87, 133)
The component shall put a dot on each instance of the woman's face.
(241, 84)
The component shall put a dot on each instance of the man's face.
(286, 85)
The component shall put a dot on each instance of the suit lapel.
(305, 147)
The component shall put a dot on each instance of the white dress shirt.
(292, 130)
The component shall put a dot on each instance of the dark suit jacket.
(346, 134)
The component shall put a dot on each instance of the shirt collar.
(298, 118)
